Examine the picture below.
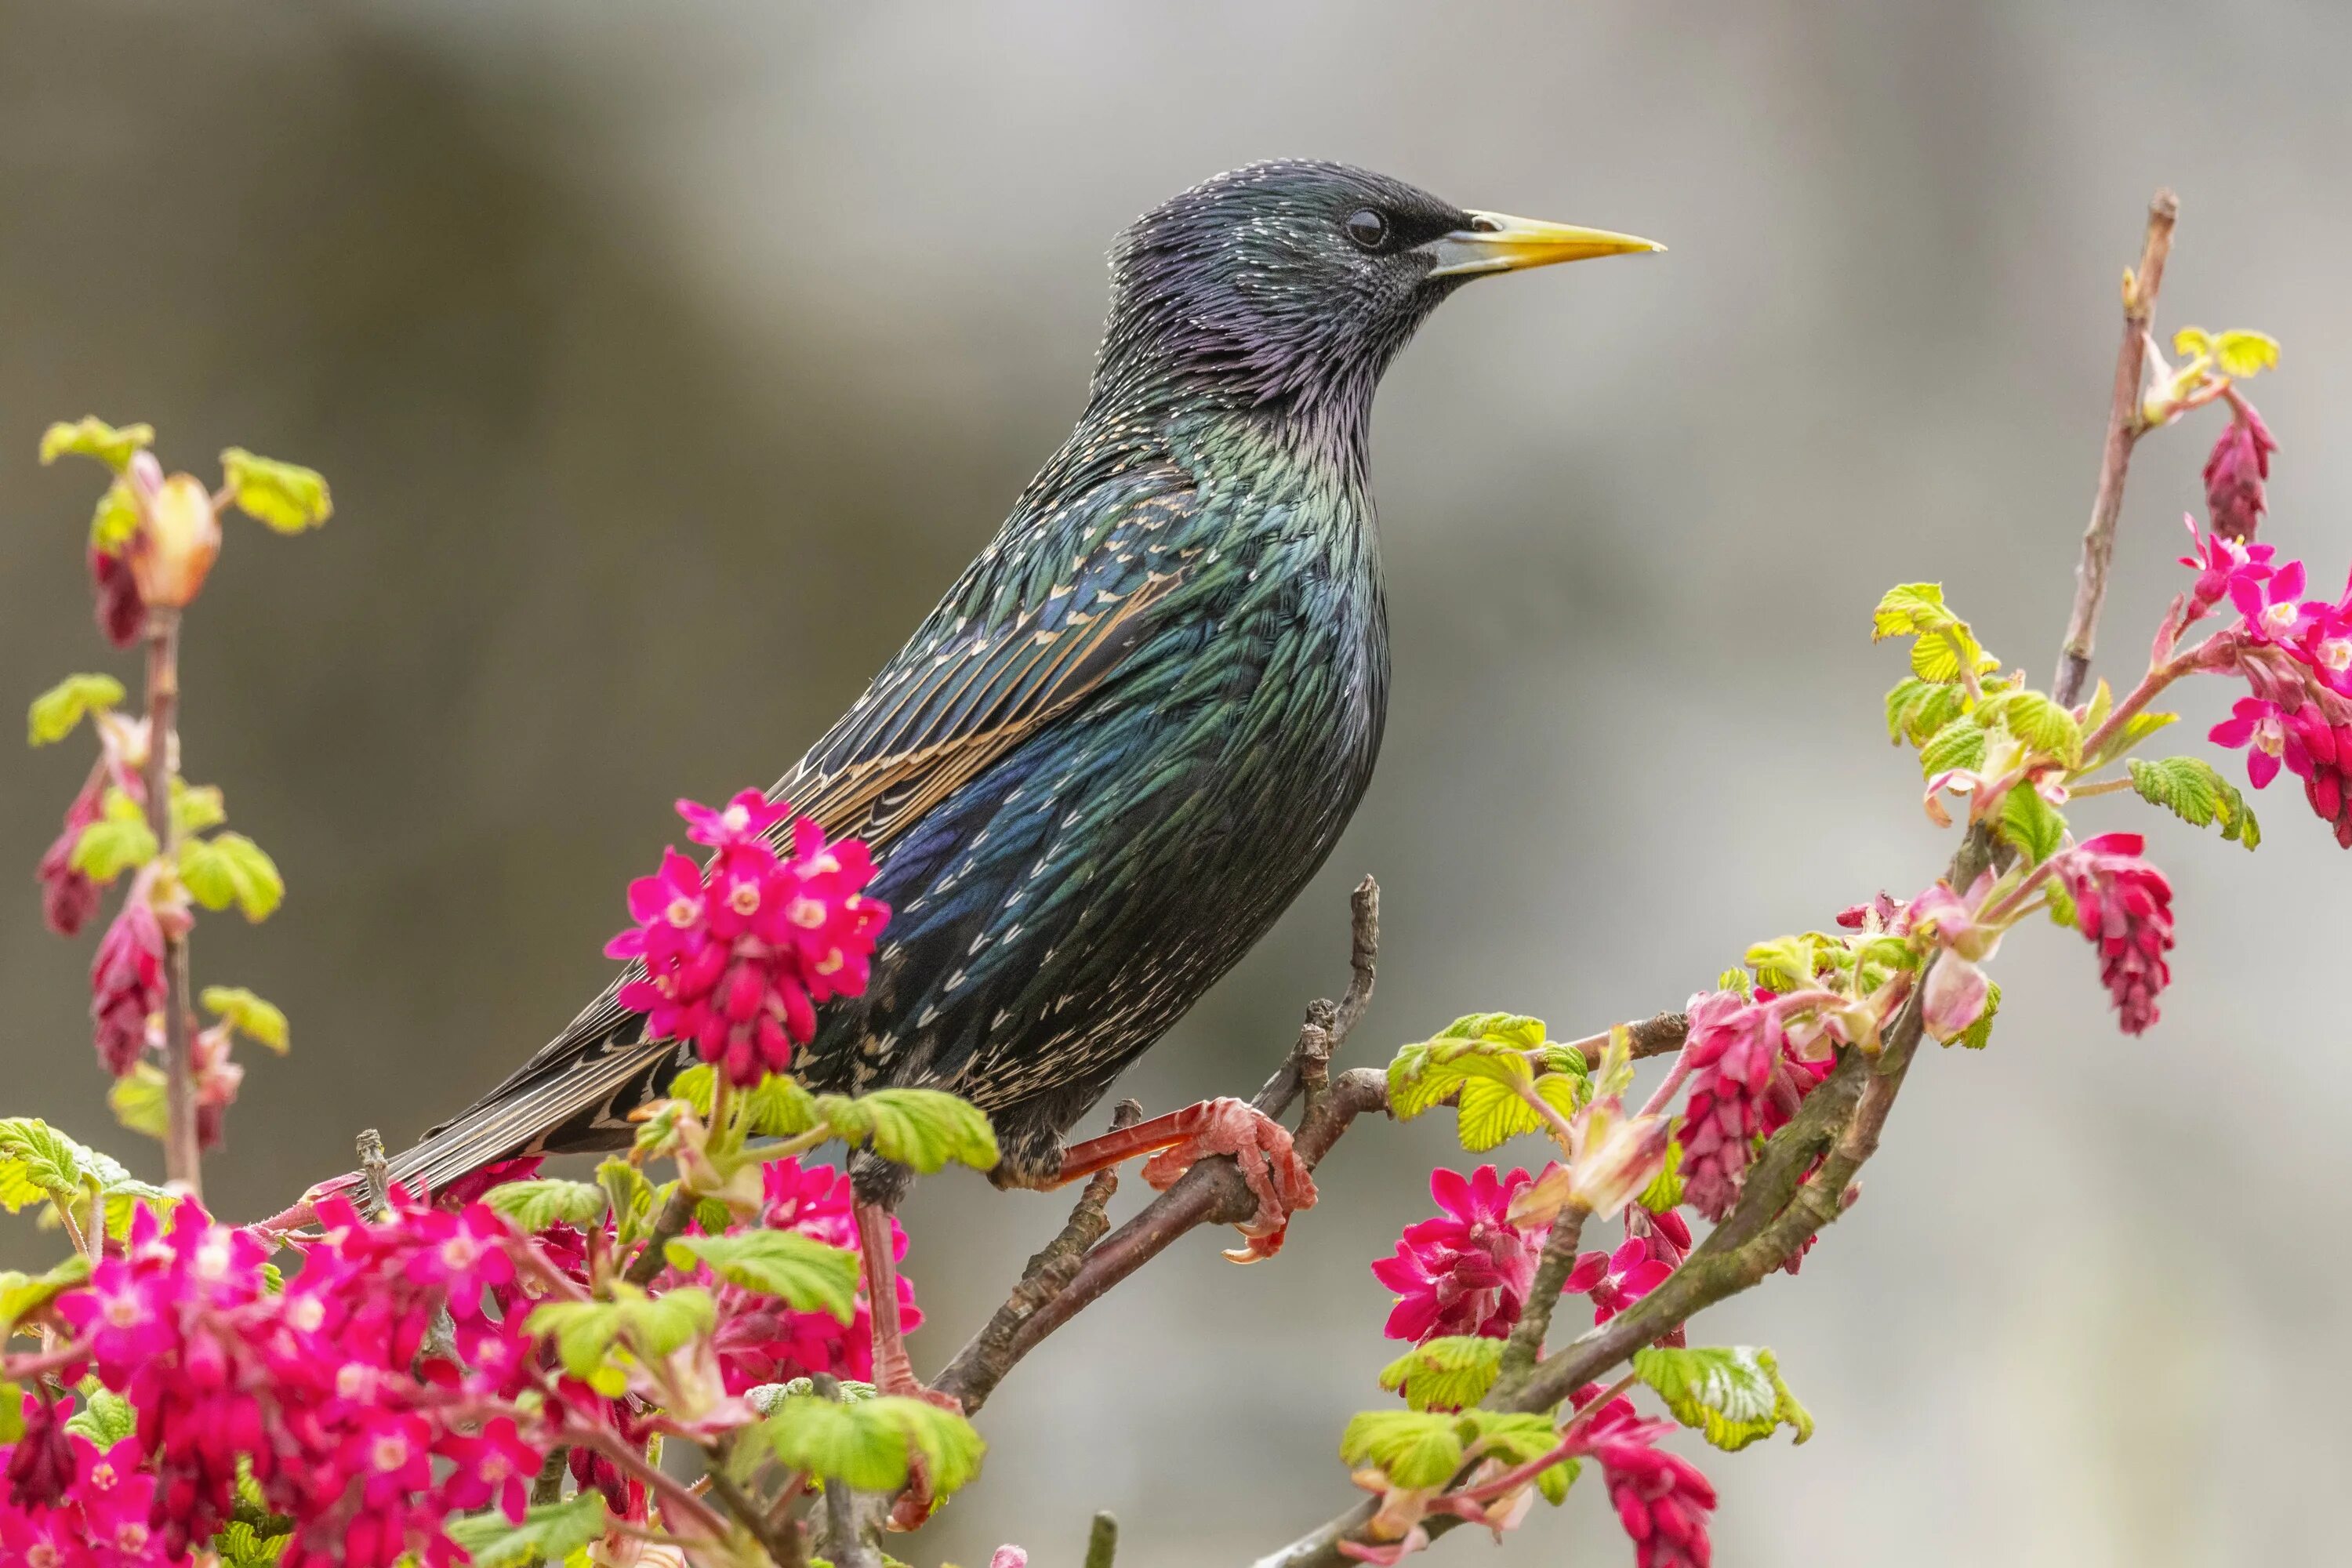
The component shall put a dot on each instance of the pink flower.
(121, 616)
(41, 1465)
(2274, 608)
(1615, 1280)
(1663, 1500)
(2235, 472)
(1732, 1050)
(2221, 561)
(2262, 726)
(738, 955)
(1468, 1271)
(2124, 905)
(126, 983)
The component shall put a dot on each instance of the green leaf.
(1665, 1189)
(1917, 709)
(779, 1108)
(284, 496)
(1733, 1394)
(105, 1417)
(804, 1272)
(239, 1545)
(114, 519)
(248, 1015)
(1945, 645)
(118, 841)
(1445, 1374)
(36, 1162)
(2031, 823)
(1979, 1035)
(1553, 1483)
(2241, 353)
(1958, 745)
(1513, 1436)
(2103, 702)
(195, 807)
(1493, 1046)
(865, 1445)
(21, 1294)
(1412, 1448)
(2191, 789)
(630, 1196)
(139, 1100)
(921, 1128)
(2130, 733)
(230, 869)
(534, 1205)
(696, 1086)
(550, 1531)
(2044, 727)
(55, 712)
(586, 1333)
(90, 436)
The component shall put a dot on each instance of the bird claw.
(1261, 1146)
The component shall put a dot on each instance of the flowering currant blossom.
(1615, 1280)
(2124, 905)
(2221, 560)
(126, 981)
(1733, 1046)
(739, 953)
(1663, 1500)
(1468, 1271)
(2235, 472)
(1956, 991)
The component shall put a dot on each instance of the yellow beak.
(1498, 242)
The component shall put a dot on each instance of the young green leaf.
(55, 712)
(139, 1101)
(38, 1162)
(2031, 823)
(1958, 745)
(90, 436)
(118, 841)
(248, 1015)
(196, 807)
(21, 1295)
(1411, 1448)
(630, 1196)
(239, 1545)
(1444, 1374)
(1493, 1046)
(105, 1417)
(781, 1107)
(1733, 1394)
(804, 1273)
(1979, 1035)
(696, 1086)
(2241, 352)
(2130, 733)
(286, 497)
(1665, 1189)
(2191, 789)
(922, 1129)
(549, 1532)
(534, 1205)
(230, 869)
(866, 1444)
(2045, 728)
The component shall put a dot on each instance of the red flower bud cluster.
(2124, 905)
(737, 953)
(1663, 1500)
(2235, 473)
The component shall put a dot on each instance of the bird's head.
(1295, 283)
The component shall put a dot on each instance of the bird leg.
(1256, 1142)
(893, 1372)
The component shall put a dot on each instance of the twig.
(375, 1177)
(182, 1154)
(546, 1487)
(1527, 1339)
(668, 1225)
(1046, 1276)
(1102, 1542)
(846, 1545)
(783, 1544)
(2124, 428)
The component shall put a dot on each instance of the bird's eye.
(1368, 228)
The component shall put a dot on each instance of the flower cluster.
(1468, 1271)
(1745, 1084)
(1654, 1246)
(2124, 905)
(2236, 472)
(737, 953)
(1663, 1500)
(350, 1417)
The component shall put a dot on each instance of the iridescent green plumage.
(1138, 721)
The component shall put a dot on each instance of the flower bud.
(1615, 1156)
(178, 537)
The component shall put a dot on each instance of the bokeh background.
(668, 360)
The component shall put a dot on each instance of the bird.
(1133, 728)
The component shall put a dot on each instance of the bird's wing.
(969, 687)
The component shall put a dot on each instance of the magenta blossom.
(2273, 607)
(126, 983)
(739, 954)
(1663, 1500)
(2235, 473)
(2264, 728)
(1734, 1046)
(1468, 1271)
(2221, 560)
(1615, 1280)
(2124, 905)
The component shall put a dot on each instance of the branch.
(1102, 1542)
(2141, 286)
(1527, 1340)
(181, 1153)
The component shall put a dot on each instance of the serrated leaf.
(586, 1333)
(90, 436)
(865, 1445)
(781, 1107)
(21, 1294)
(921, 1128)
(2044, 727)
(534, 1205)
(286, 497)
(248, 1015)
(2191, 789)
(1958, 745)
(2103, 702)
(2031, 823)
(2241, 352)
(230, 869)
(105, 1417)
(1513, 1436)
(1507, 1029)
(196, 807)
(1665, 1189)
(1979, 1035)
(1444, 1374)
(139, 1100)
(1731, 1394)
(56, 714)
(697, 1085)
(1553, 1483)
(550, 1531)
(2130, 733)
(804, 1273)
(114, 519)
(239, 1545)
(113, 844)
(1910, 607)
(1489, 1113)
(1412, 1448)
(630, 1196)
(1479, 1046)
(37, 1161)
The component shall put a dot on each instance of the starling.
(1135, 726)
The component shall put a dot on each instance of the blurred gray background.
(668, 361)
